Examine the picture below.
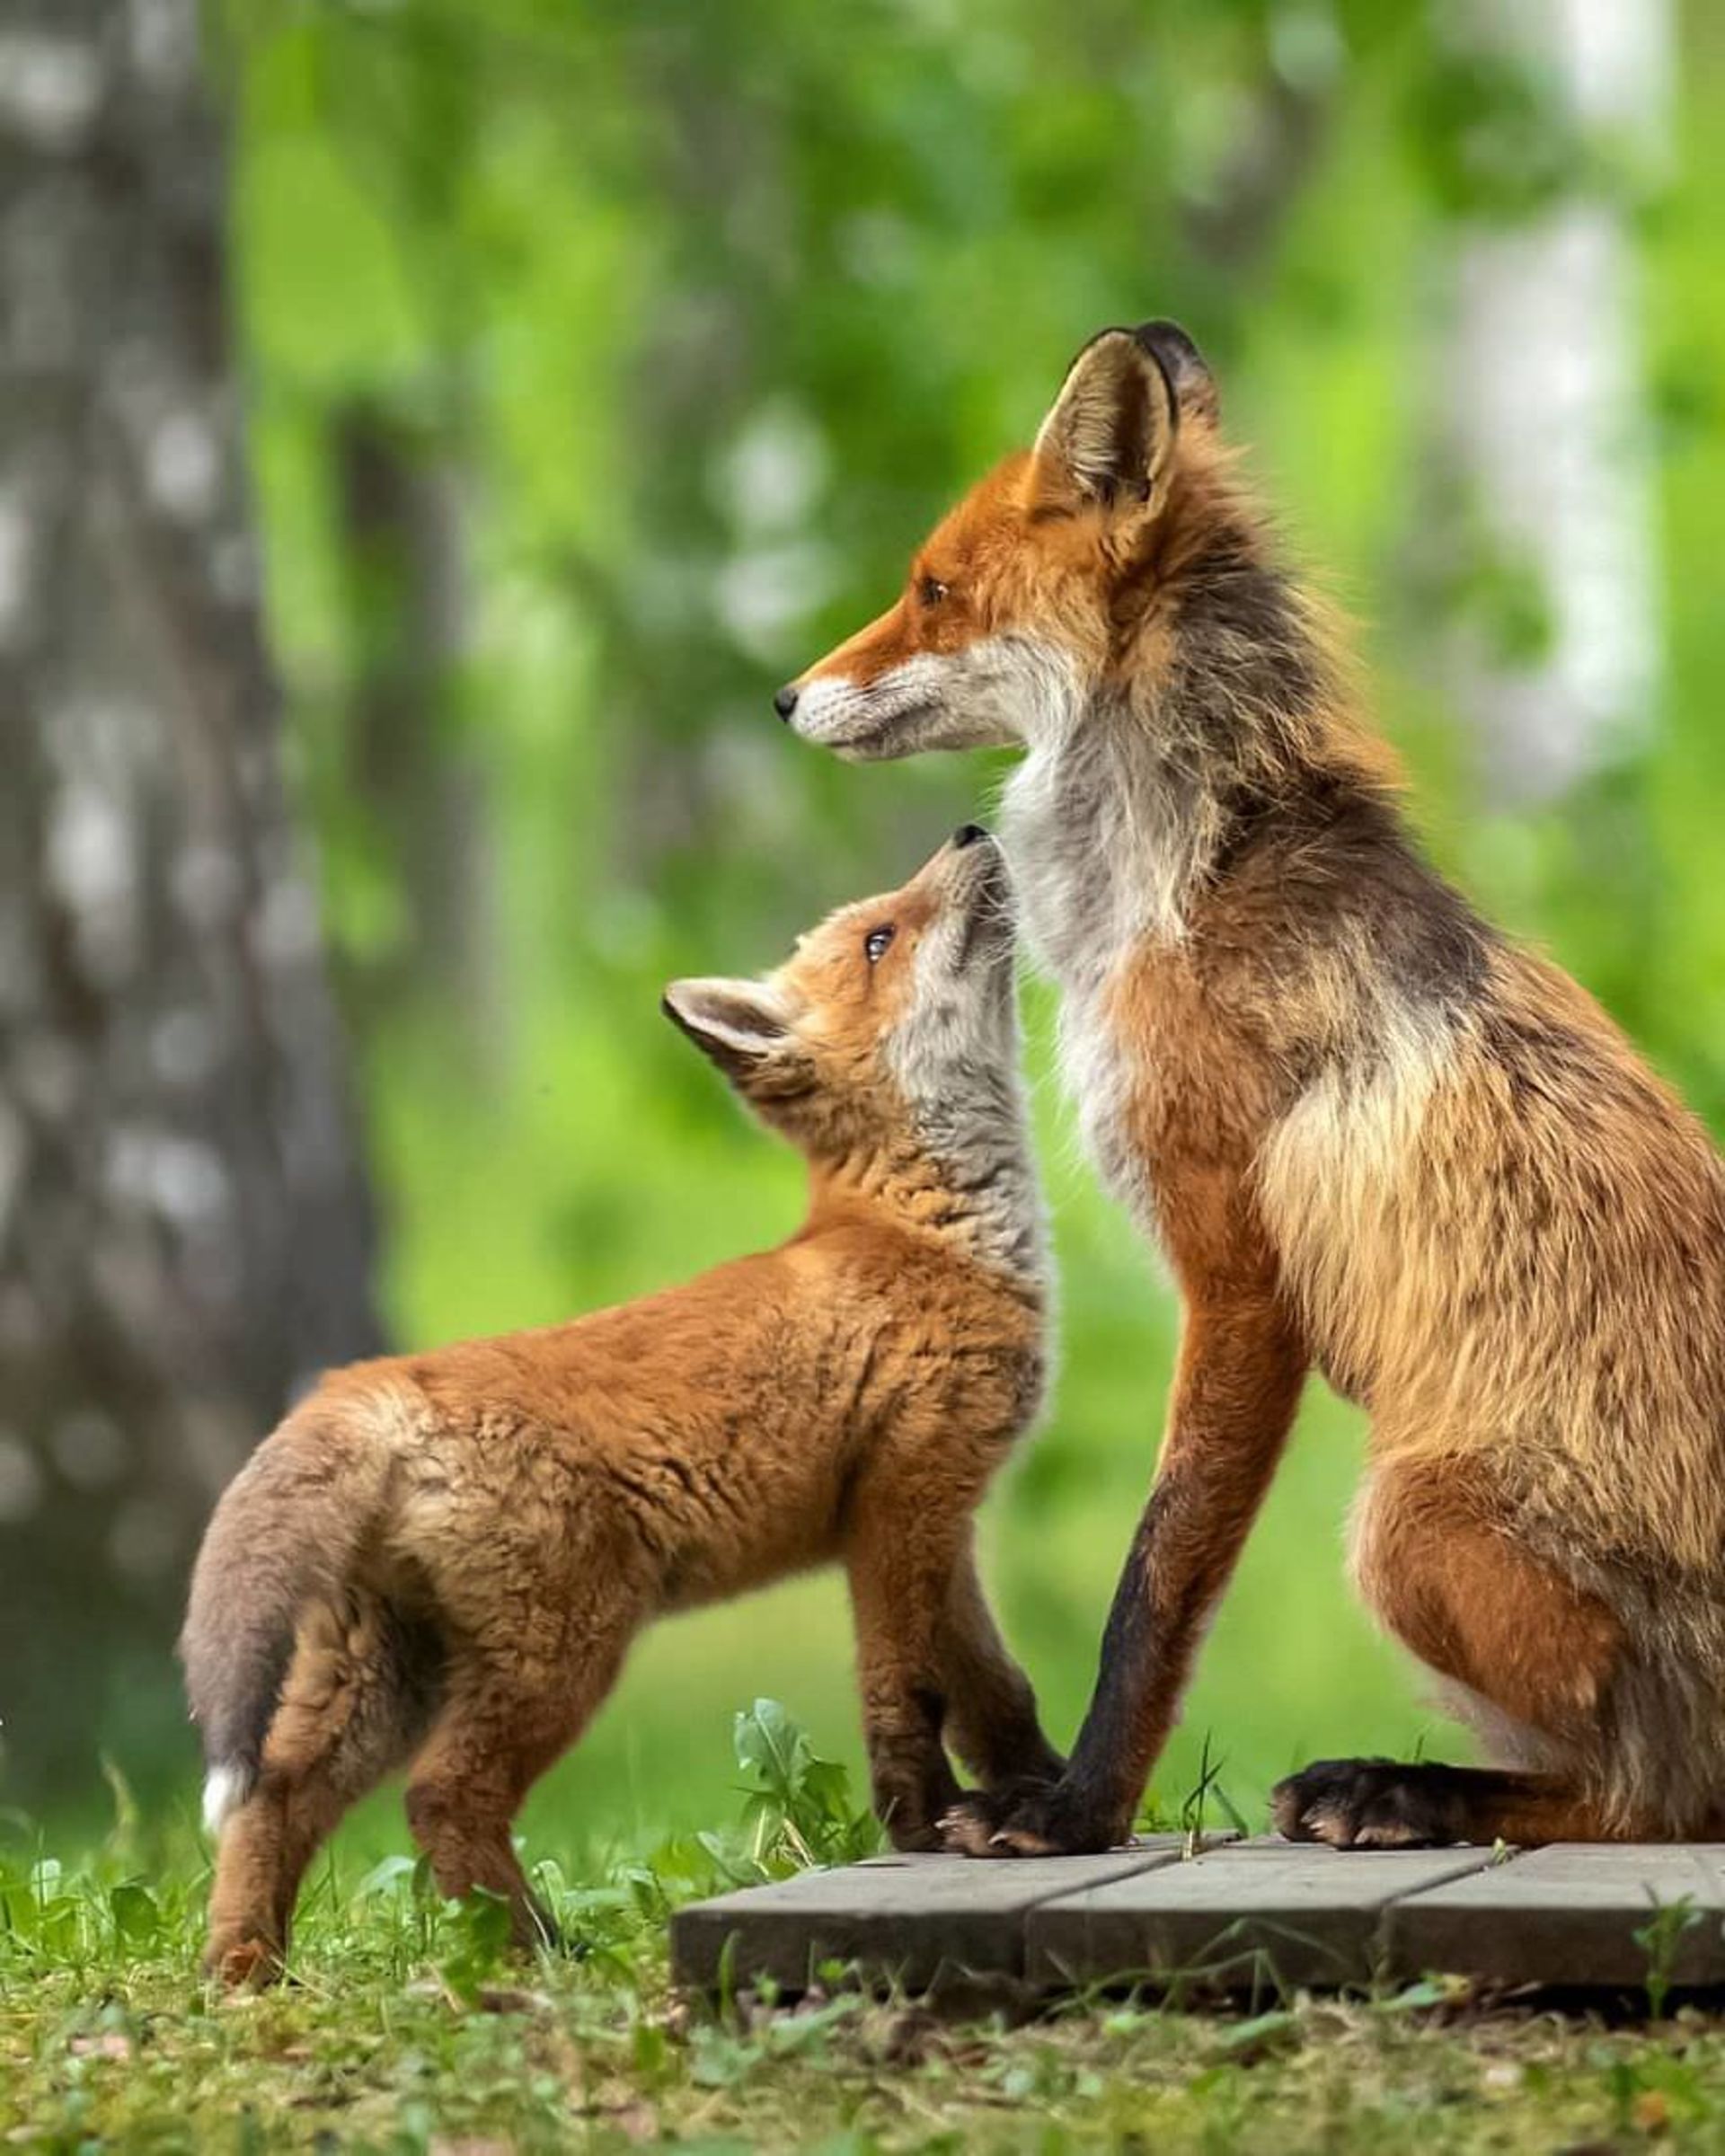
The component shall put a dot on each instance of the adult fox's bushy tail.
(286, 1530)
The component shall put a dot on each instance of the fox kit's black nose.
(969, 835)
(785, 701)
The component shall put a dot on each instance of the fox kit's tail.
(287, 1529)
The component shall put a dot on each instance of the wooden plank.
(1568, 1915)
(909, 1918)
(1256, 1911)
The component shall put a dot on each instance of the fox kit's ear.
(743, 1025)
(1106, 440)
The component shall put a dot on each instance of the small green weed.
(797, 1807)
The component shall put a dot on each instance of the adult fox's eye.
(931, 591)
(874, 944)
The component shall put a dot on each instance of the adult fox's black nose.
(969, 835)
(785, 701)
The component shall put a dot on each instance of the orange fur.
(441, 1558)
(1373, 1135)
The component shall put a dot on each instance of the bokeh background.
(430, 430)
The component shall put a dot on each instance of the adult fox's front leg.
(1240, 1369)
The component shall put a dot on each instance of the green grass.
(404, 2029)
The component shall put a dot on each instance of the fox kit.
(1373, 1135)
(442, 1559)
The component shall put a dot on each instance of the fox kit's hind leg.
(265, 1849)
(507, 1716)
(355, 1698)
(1480, 1609)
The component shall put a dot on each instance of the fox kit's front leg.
(1241, 1369)
(991, 1718)
(899, 1554)
(931, 1661)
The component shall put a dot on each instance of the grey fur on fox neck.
(1135, 785)
(957, 1055)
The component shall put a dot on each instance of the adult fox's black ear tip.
(1188, 374)
(1162, 331)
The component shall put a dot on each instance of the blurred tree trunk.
(184, 1224)
(1545, 453)
(403, 529)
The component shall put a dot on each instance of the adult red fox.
(441, 1558)
(1372, 1133)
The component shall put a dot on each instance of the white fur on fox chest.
(1093, 884)
(1106, 841)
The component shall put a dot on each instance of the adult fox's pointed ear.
(1108, 439)
(1186, 368)
(744, 1026)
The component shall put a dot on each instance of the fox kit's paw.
(910, 1802)
(914, 1837)
(1029, 1819)
(1367, 1804)
(243, 1964)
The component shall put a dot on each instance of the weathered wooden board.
(1238, 1916)
(910, 1918)
(1569, 1915)
(1251, 1913)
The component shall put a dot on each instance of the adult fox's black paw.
(1370, 1804)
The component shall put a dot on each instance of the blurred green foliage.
(697, 311)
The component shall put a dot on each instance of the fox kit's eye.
(931, 591)
(874, 944)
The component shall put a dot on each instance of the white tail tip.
(224, 1790)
